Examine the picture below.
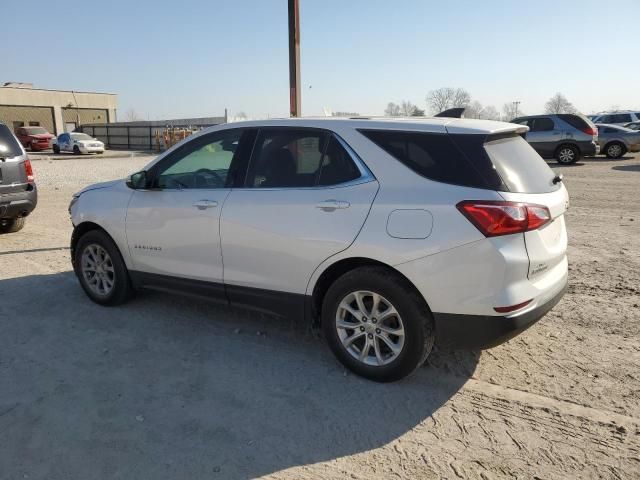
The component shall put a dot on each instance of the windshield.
(81, 136)
(519, 166)
(9, 146)
(36, 131)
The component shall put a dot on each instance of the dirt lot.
(167, 387)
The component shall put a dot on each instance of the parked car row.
(618, 117)
(37, 139)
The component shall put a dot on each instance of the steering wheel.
(207, 171)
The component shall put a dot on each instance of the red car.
(34, 138)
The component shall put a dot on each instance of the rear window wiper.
(557, 179)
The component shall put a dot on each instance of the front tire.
(11, 225)
(56, 149)
(76, 150)
(376, 324)
(101, 269)
(615, 150)
(567, 154)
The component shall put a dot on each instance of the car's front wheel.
(56, 149)
(101, 270)
(76, 150)
(377, 324)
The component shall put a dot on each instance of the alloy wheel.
(614, 150)
(370, 328)
(97, 269)
(566, 155)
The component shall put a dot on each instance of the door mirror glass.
(138, 180)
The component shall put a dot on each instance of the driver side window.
(200, 164)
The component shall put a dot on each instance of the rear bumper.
(484, 331)
(589, 149)
(18, 204)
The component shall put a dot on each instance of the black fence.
(132, 137)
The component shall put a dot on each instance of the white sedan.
(77, 143)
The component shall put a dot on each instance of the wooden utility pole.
(295, 107)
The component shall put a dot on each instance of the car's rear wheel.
(567, 154)
(615, 150)
(56, 149)
(11, 225)
(76, 150)
(377, 324)
(101, 269)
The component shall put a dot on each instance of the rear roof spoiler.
(452, 113)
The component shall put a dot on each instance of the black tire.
(76, 150)
(122, 289)
(615, 150)
(56, 149)
(419, 334)
(567, 154)
(11, 225)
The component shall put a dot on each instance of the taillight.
(512, 308)
(593, 131)
(29, 171)
(494, 218)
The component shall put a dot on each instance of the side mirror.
(138, 180)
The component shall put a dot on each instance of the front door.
(173, 227)
(543, 136)
(305, 198)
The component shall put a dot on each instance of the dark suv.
(18, 195)
(564, 136)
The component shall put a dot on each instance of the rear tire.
(101, 270)
(615, 150)
(11, 225)
(76, 150)
(567, 154)
(56, 149)
(367, 345)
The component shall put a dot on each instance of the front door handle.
(331, 205)
(204, 204)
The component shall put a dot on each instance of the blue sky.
(172, 59)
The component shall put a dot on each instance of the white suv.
(389, 234)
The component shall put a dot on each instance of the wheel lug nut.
(370, 335)
(378, 331)
(362, 329)
(374, 320)
(364, 319)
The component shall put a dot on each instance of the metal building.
(56, 110)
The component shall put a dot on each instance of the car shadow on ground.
(627, 168)
(168, 387)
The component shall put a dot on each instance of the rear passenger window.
(620, 118)
(290, 158)
(542, 125)
(337, 165)
(436, 157)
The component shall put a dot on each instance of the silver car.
(619, 117)
(615, 141)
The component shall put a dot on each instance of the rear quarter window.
(437, 156)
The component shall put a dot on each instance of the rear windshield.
(9, 146)
(519, 166)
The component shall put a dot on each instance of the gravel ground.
(167, 387)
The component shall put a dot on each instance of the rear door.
(530, 180)
(13, 177)
(543, 136)
(304, 199)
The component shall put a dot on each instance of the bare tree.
(511, 110)
(474, 110)
(490, 113)
(447, 97)
(131, 116)
(392, 110)
(559, 104)
(407, 108)
(417, 112)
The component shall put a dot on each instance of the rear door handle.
(204, 204)
(331, 205)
